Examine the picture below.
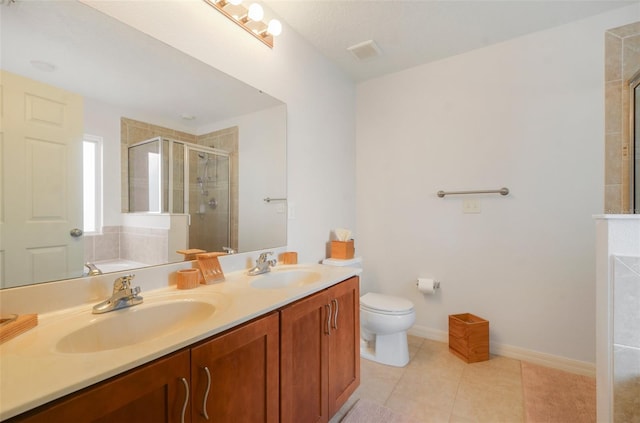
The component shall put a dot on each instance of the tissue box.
(342, 250)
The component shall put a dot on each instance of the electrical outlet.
(471, 206)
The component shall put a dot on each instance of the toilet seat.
(385, 304)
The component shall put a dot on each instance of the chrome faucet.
(229, 250)
(93, 269)
(123, 296)
(262, 265)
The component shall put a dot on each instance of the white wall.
(262, 173)
(320, 106)
(527, 114)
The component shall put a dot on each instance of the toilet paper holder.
(436, 284)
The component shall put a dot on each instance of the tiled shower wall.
(622, 54)
(626, 339)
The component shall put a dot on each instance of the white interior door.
(41, 178)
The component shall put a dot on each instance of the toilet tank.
(354, 262)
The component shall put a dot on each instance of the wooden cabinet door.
(344, 342)
(235, 376)
(304, 327)
(154, 393)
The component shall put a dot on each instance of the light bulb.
(275, 27)
(255, 12)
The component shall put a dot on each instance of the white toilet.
(384, 321)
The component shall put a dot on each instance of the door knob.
(75, 232)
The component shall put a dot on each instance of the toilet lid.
(385, 303)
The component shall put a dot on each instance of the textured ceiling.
(414, 32)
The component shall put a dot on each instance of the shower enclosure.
(169, 176)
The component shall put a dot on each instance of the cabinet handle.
(328, 318)
(335, 314)
(186, 398)
(206, 393)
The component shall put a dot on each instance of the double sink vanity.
(281, 346)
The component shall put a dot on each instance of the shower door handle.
(75, 232)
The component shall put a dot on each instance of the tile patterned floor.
(436, 386)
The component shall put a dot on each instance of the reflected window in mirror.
(92, 183)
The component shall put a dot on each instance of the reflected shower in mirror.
(208, 200)
(80, 75)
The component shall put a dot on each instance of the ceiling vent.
(366, 50)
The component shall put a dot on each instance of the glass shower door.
(208, 199)
(156, 172)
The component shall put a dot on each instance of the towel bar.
(501, 191)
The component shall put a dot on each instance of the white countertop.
(33, 372)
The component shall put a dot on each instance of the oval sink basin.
(285, 279)
(134, 325)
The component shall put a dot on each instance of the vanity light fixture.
(249, 18)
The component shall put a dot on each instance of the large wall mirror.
(118, 150)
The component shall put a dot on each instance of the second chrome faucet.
(262, 265)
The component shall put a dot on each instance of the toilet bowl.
(384, 321)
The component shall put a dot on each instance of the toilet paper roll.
(427, 286)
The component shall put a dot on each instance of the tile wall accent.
(622, 62)
(142, 245)
(626, 339)
(103, 246)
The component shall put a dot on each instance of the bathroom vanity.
(292, 355)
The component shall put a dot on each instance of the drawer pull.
(206, 393)
(328, 318)
(186, 398)
(335, 314)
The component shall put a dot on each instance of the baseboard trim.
(543, 359)
(428, 333)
